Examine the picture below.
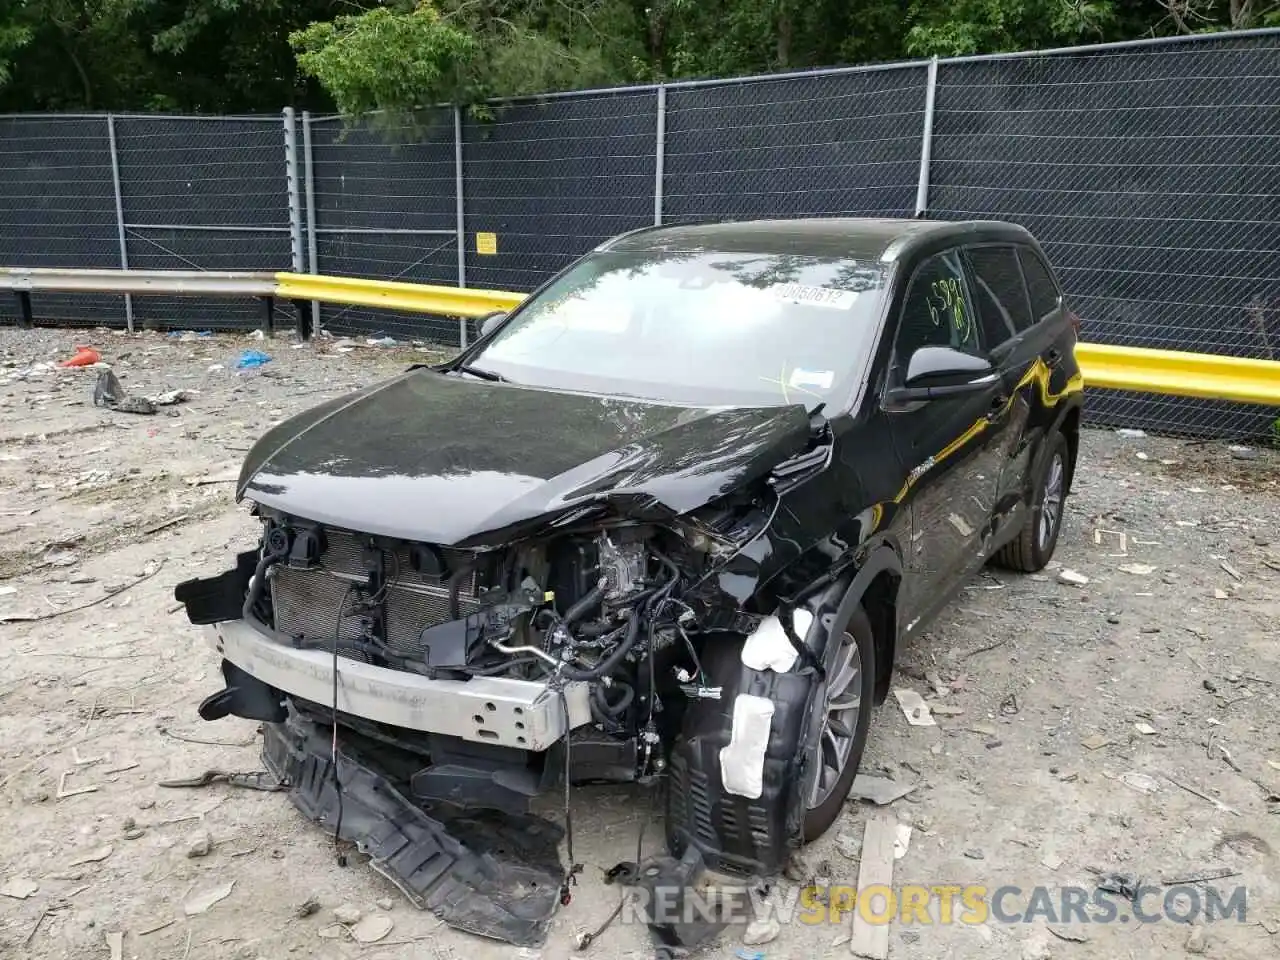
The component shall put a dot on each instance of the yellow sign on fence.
(487, 243)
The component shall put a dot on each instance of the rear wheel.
(1034, 545)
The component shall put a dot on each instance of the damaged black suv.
(667, 521)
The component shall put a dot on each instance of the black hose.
(455, 587)
(259, 581)
(615, 709)
(589, 602)
(610, 663)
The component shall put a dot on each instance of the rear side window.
(937, 311)
(1040, 284)
(999, 291)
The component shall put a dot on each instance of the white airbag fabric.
(742, 761)
(768, 648)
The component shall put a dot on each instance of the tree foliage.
(258, 55)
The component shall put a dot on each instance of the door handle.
(1052, 357)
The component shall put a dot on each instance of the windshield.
(699, 328)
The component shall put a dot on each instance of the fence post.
(926, 145)
(308, 170)
(460, 225)
(124, 245)
(291, 180)
(659, 155)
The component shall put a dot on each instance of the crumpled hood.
(447, 460)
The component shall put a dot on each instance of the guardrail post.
(659, 155)
(460, 224)
(24, 309)
(306, 317)
(292, 180)
(926, 145)
(309, 183)
(269, 328)
(124, 244)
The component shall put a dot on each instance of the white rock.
(761, 931)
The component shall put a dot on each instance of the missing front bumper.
(510, 713)
(494, 875)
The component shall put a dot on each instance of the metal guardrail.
(393, 295)
(1168, 372)
(1180, 374)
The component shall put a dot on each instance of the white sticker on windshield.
(815, 296)
(822, 379)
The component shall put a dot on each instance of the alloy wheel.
(1051, 502)
(839, 720)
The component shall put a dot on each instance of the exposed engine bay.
(622, 608)
(600, 619)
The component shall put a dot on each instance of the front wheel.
(844, 705)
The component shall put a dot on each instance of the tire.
(1033, 547)
(859, 638)
(756, 835)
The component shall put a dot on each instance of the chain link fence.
(1150, 171)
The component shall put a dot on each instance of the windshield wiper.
(480, 372)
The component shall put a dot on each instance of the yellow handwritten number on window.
(946, 299)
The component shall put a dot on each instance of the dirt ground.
(1061, 705)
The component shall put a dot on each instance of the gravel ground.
(1061, 706)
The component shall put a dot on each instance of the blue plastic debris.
(749, 955)
(252, 358)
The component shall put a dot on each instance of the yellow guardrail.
(1180, 374)
(393, 295)
(1168, 372)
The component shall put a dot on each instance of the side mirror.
(935, 372)
(490, 321)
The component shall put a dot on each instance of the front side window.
(937, 311)
(700, 328)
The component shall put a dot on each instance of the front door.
(948, 447)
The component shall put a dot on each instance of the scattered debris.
(761, 931)
(371, 929)
(115, 943)
(914, 708)
(169, 397)
(1066, 575)
(381, 342)
(19, 888)
(849, 845)
(1234, 573)
(157, 927)
(1202, 795)
(201, 902)
(879, 790)
(1145, 729)
(256, 780)
(1206, 878)
(1121, 884)
(201, 845)
(63, 792)
(1220, 594)
(108, 392)
(1137, 569)
(945, 709)
(871, 940)
(84, 357)
(384, 903)
(1140, 782)
(1051, 860)
(251, 359)
(1095, 741)
(1130, 434)
(1070, 936)
(973, 853)
(901, 841)
(97, 855)
(1197, 940)
(347, 914)
(307, 908)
